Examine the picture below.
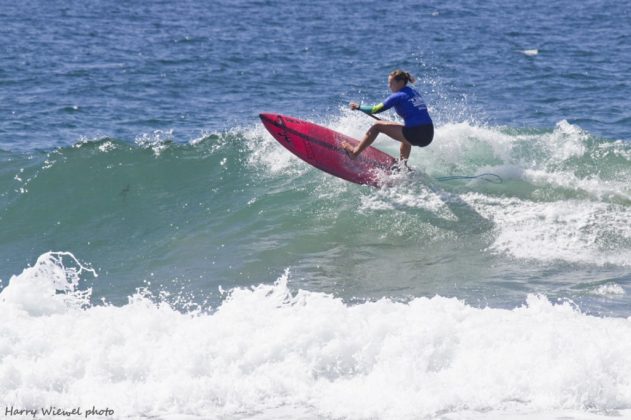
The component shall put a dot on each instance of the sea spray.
(273, 346)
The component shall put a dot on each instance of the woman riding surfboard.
(418, 128)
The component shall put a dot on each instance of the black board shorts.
(421, 135)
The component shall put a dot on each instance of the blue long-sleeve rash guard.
(408, 103)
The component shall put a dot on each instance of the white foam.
(576, 231)
(35, 291)
(565, 142)
(267, 154)
(460, 148)
(593, 186)
(157, 140)
(203, 135)
(269, 353)
(407, 191)
(609, 289)
(544, 160)
(107, 146)
(617, 148)
(458, 143)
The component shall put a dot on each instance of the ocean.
(162, 256)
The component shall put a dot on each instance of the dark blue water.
(73, 69)
(130, 146)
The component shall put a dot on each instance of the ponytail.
(403, 75)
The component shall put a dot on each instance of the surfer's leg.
(388, 128)
(369, 137)
(404, 151)
(395, 131)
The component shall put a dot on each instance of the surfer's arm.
(383, 106)
(375, 109)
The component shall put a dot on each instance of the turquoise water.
(233, 209)
(164, 256)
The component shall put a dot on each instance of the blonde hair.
(403, 75)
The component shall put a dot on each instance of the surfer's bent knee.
(375, 128)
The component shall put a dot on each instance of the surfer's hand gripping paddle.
(367, 113)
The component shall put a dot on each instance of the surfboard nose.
(268, 116)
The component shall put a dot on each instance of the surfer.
(418, 129)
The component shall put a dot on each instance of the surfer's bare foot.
(350, 150)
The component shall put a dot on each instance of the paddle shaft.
(370, 115)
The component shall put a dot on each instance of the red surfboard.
(322, 147)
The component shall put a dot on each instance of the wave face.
(234, 208)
